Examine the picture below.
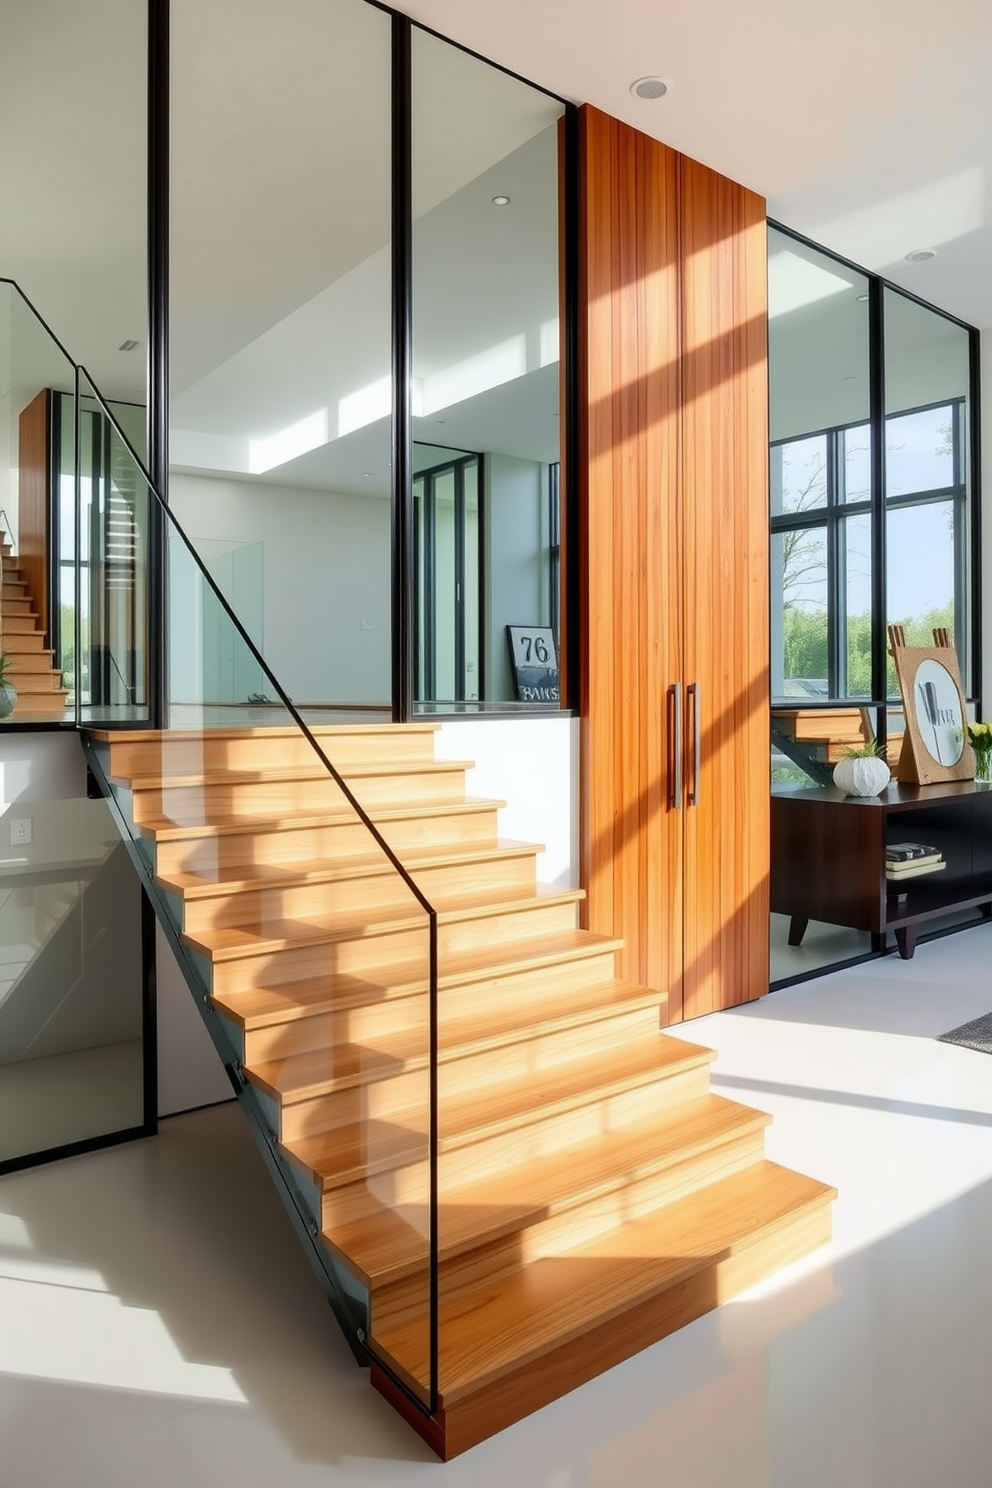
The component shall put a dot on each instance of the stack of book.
(904, 860)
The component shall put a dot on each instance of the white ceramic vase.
(864, 775)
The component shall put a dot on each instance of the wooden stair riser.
(15, 604)
(215, 751)
(31, 663)
(402, 1040)
(375, 952)
(463, 1423)
(17, 642)
(373, 1025)
(373, 958)
(334, 842)
(375, 1021)
(40, 704)
(35, 681)
(23, 624)
(399, 1301)
(469, 1156)
(505, 875)
(384, 1086)
(408, 1186)
(215, 800)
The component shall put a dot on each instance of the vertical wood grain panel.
(33, 482)
(630, 543)
(725, 505)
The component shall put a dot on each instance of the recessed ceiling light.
(366, 475)
(501, 201)
(921, 255)
(649, 87)
(862, 299)
(128, 345)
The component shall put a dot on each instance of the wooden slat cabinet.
(673, 495)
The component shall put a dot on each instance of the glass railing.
(257, 924)
(292, 918)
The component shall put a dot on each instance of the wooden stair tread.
(268, 774)
(278, 933)
(497, 1327)
(164, 830)
(337, 1066)
(390, 1243)
(258, 731)
(500, 1105)
(260, 1007)
(253, 877)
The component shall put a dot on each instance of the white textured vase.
(865, 775)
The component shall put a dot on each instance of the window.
(822, 547)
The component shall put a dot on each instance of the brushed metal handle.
(692, 691)
(675, 792)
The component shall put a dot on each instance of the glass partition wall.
(872, 520)
(284, 309)
(485, 358)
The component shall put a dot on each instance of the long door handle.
(675, 734)
(692, 691)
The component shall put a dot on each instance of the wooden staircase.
(36, 681)
(595, 1195)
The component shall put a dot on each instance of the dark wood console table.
(828, 857)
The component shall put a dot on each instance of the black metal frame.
(157, 438)
(878, 506)
(148, 1126)
(425, 577)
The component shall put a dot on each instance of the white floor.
(65, 1098)
(159, 1326)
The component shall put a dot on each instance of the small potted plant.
(863, 771)
(8, 697)
(979, 736)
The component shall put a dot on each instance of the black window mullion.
(834, 572)
(459, 474)
(430, 590)
(876, 424)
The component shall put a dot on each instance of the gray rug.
(974, 1035)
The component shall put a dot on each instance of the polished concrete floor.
(159, 1326)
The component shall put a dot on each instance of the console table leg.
(797, 929)
(906, 941)
(986, 910)
(878, 943)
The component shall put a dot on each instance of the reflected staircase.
(36, 681)
(594, 1194)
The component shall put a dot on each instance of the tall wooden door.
(673, 553)
(630, 545)
(724, 499)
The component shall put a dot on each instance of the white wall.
(326, 568)
(190, 1073)
(531, 763)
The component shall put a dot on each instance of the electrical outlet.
(366, 624)
(20, 831)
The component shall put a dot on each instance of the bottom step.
(515, 1344)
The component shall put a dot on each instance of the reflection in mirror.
(280, 331)
(485, 370)
(927, 476)
(820, 474)
(71, 980)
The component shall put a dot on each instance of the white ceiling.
(868, 127)
(867, 124)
